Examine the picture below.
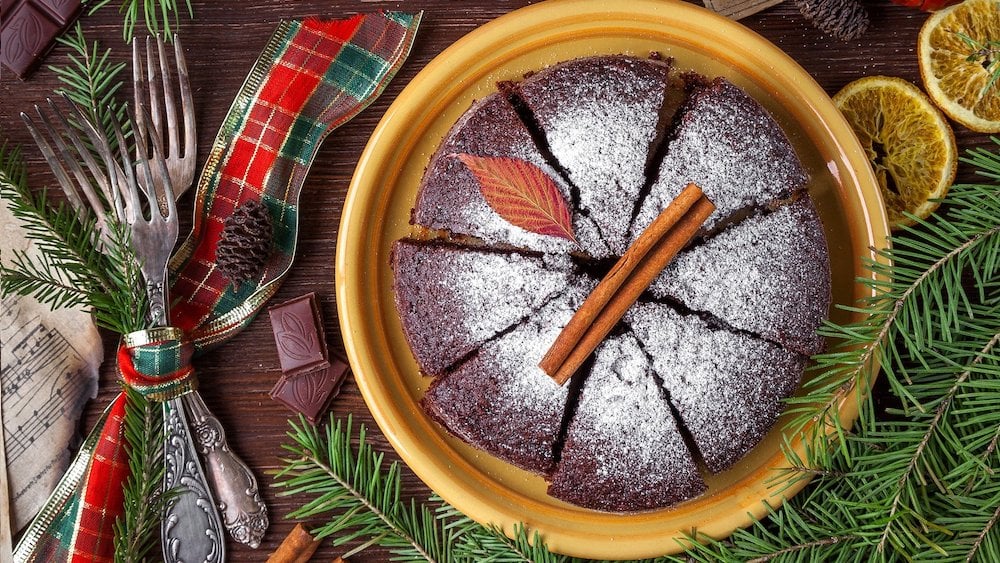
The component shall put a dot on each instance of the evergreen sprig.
(92, 80)
(349, 482)
(72, 269)
(136, 533)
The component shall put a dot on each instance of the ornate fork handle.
(157, 304)
(191, 527)
(244, 512)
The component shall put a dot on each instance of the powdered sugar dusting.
(623, 448)
(500, 400)
(452, 299)
(727, 387)
(769, 275)
(450, 197)
(733, 149)
(599, 117)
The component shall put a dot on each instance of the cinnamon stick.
(622, 286)
(297, 547)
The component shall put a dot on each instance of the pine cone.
(844, 19)
(246, 243)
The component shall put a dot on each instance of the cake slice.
(727, 387)
(729, 145)
(623, 449)
(499, 400)
(769, 275)
(451, 298)
(600, 118)
(449, 195)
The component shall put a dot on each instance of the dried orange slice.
(908, 141)
(959, 52)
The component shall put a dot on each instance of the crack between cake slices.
(686, 434)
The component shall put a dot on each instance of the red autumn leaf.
(523, 194)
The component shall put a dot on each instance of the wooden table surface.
(223, 40)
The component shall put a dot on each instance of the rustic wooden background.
(222, 42)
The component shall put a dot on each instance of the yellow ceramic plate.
(384, 188)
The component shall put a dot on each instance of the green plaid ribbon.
(312, 77)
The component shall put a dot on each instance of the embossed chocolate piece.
(298, 332)
(310, 393)
(311, 378)
(28, 29)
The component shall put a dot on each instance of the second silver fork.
(191, 529)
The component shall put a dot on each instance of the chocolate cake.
(729, 145)
(769, 275)
(451, 299)
(727, 386)
(695, 374)
(600, 117)
(449, 197)
(623, 450)
(499, 400)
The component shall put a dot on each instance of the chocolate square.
(311, 393)
(28, 29)
(298, 332)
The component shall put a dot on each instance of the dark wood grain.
(222, 42)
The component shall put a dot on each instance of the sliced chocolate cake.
(729, 145)
(449, 196)
(727, 386)
(499, 400)
(769, 275)
(451, 299)
(623, 449)
(600, 117)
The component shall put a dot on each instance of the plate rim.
(352, 289)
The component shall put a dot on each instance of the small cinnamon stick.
(622, 286)
(297, 547)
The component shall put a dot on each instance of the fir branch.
(136, 533)
(157, 15)
(363, 498)
(71, 269)
(92, 81)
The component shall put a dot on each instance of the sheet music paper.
(48, 370)
(6, 541)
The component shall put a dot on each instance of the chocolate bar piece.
(310, 393)
(298, 331)
(28, 29)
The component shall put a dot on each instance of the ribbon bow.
(312, 77)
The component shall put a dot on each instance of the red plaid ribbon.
(312, 77)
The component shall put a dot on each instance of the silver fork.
(68, 161)
(234, 485)
(192, 528)
(180, 163)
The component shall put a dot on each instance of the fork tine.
(69, 159)
(169, 105)
(133, 207)
(153, 90)
(103, 147)
(158, 159)
(62, 177)
(138, 88)
(187, 101)
(83, 153)
(144, 169)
